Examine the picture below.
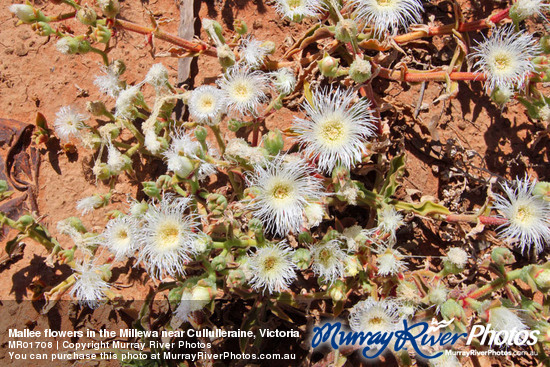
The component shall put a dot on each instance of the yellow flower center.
(207, 103)
(168, 235)
(293, 4)
(385, 3)
(524, 215)
(375, 320)
(269, 263)
(281, 191)
(502, 62)
(332, 132)
(241, 91)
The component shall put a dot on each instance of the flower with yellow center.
(244, 89)
(68, 122)
(335, 130)
(375, 316)
(389, 15)
(296, 10)
(528, 215)
(505, 58)
(167, 237)
(207, 104)
(329, 261)
(121, 237)
(284, 190)
(272, 267)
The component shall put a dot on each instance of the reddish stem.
(192, 47)
(417, 77)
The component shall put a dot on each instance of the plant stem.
(417, 76)
(219, 139)
(192, 47)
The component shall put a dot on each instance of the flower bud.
(438, 295)
(182, 166)
(150, 189)
(201, 133)
(73, 45)
(216, 204)
(96, 108)
(542, 188)
(353, 267)
(109, 131)
(86, 15)
(202, 243)
(76, 224)
(240, 26)
(337, 291)
(138, 209)
(219, 263)
(101, 34)
(542, 277)
(545, 44)
(269, 46)
(360, 70)
(110, 8)
(305, 237)
(328, 66)
(25, 220)
(214, 30)
(502, 256)
(42, 29)
(226, 57)
(314, 214)
(27, 14)
(101, 171)
(202, 293)
(302, 257)
(273, 141)
(501, 96)
(255, 225)
(346, 31)
(234, 125)
(118, 67)
(451, 309)
(235, 278)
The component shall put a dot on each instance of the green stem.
(103, 55)
(219, 139)
(130, 126)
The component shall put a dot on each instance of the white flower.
(272, 267)
(329, 261)
(438, 295)
(121, 237)
(524, 9)
(125, 102)
(284, 191)
(89, 286)
(65, 45)
(528, 216)
(389, 15)
(457, 256)
(152, 142)
(108, 83)
(284, 80)
(181, 150)
(505, 58)
(207, 104)
(389, 220)
(375, 316)
(24, 12)
(68, 122)
(167, 237)
(252, 52)
(352, 235)
(335, 132)
(88, 204)
(157, 76)
(189, 303)
(244, 89)
(296, 10)
(389, 261)
(503, 319)
(313, 215)
(116, 161)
